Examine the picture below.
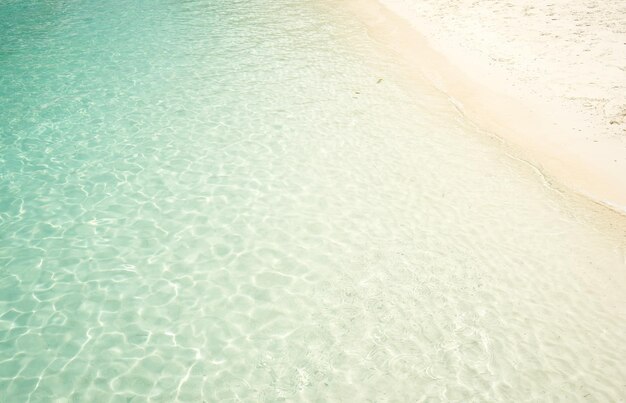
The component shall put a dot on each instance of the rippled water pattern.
(250, 201)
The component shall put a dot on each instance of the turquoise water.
(254, 201)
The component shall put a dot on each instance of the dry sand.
(547, 77)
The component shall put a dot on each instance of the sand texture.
(564, 60)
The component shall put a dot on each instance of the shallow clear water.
(251, 200)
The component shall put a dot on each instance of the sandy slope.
(551, 75)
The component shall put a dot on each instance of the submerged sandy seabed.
(547, 78)
(255, 201)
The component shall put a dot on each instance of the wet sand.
(547, 79)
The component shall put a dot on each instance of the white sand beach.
(211, 201)
(547, 77)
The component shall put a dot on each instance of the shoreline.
(562, 143)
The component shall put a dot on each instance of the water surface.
(251, 200)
